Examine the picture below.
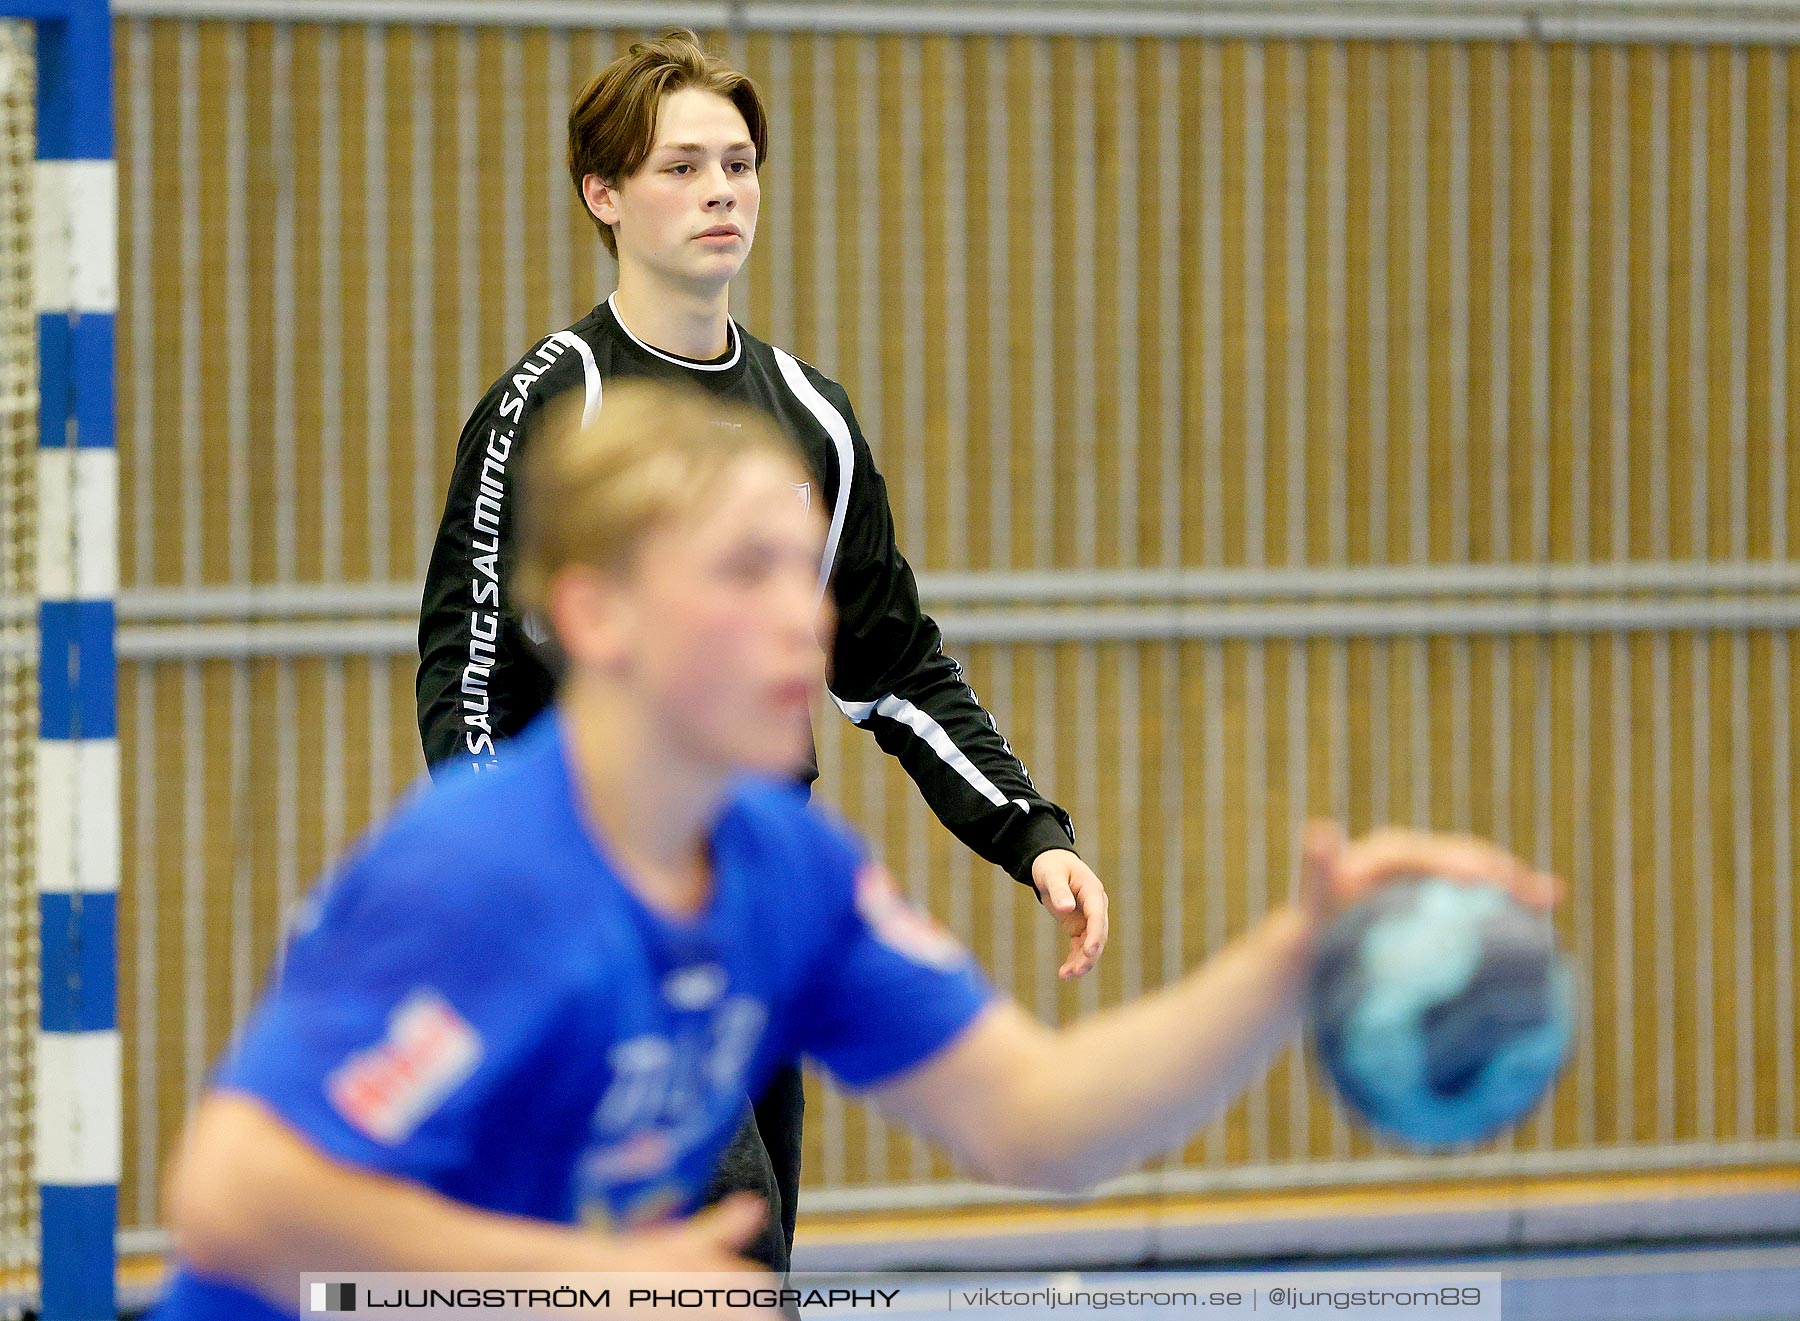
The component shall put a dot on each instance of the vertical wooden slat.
(343, 208)
(934, 367)
(374, 500)
(1785, 322)
(1370, 143)
(403, 423)
(1444, 305)
(1565, 347)
(1760, 418)
(322, 120)
(205, 546)
(1648, 433)
(1487, 185)
(137, 908)
(1244, 1122)
(130, 49)
(1199, 706)
(1761, 285)
(1284, 809)
(1405, 333)
(163, 478)
(1224, 292)
(589, 268)
(1277, 346)
(305, 469)
(980, 190)
(1727, 516)
(1024, 326)
(444, 122)
(1609, 374)
(1527, 275)
(1111, 287)
(1323, 504)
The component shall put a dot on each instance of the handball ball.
(1441, 1011)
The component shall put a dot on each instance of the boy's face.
(689, 213)
(723, 622)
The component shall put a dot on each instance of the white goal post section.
(59, 799)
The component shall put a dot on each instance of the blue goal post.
(76, 1138)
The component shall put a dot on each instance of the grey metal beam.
(1099, 587)
(1488, 20)
(376, 637)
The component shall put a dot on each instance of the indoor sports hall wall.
(1389, 428)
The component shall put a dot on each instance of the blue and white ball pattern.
(1442, 1011)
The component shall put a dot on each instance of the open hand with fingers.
(1076, 899)
(703, 1253)
(1335, 873)
(710, 1242)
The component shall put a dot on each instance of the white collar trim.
(737, 344)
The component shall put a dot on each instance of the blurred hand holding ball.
(1442, 1010)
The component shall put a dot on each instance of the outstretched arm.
(890, 676)
(1030, 1106)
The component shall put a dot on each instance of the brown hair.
(588, 493)
(612, 124)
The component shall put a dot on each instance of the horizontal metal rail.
(1471, 20)
(1659, 1158)
(1083, 587)
(1441, 581)
(168, 605)
(386, 637)
(1355, 619)
(374, 619)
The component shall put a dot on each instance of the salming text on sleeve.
(481, 674)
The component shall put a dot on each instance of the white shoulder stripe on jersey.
(894, 708)
(534, 627)
(838, 428)
(591, 369)
(935, 736)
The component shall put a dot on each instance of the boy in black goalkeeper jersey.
(664, 146)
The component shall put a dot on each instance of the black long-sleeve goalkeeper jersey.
(482, 679)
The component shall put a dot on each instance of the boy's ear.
(602, 200)
(587, 612)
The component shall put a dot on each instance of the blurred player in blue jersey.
(516, 1029)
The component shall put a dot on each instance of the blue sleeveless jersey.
(478, 1003)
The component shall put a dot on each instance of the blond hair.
(612, 124)
(589, 493)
